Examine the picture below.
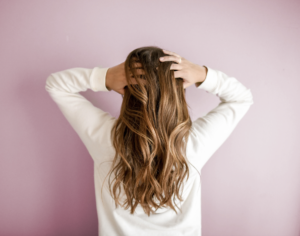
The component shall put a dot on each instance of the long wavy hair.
(150, 135)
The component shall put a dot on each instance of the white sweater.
(93, 126)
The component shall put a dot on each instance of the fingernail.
(161, 58)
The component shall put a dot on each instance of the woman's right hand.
(190, 73)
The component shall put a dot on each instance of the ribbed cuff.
(98, 79)
(210, 83)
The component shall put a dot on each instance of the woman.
(153, 151)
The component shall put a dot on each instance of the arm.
(215, 127)
(92, 124)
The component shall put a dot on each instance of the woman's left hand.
(116, 78)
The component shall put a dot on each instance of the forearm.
(108, 79)
(203, 72)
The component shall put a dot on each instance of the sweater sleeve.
(92, 124)
(215, 127)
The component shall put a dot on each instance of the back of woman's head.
(150, 134)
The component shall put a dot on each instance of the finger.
(176, 66)
(139, 71)
(179, 74)
(137, 65)
(170, 53)
(186, 84)
(136, 62)
(170, 58)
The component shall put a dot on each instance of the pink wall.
(251, 185)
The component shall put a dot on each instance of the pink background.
(250, 186)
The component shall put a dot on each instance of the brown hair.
(150, 134)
